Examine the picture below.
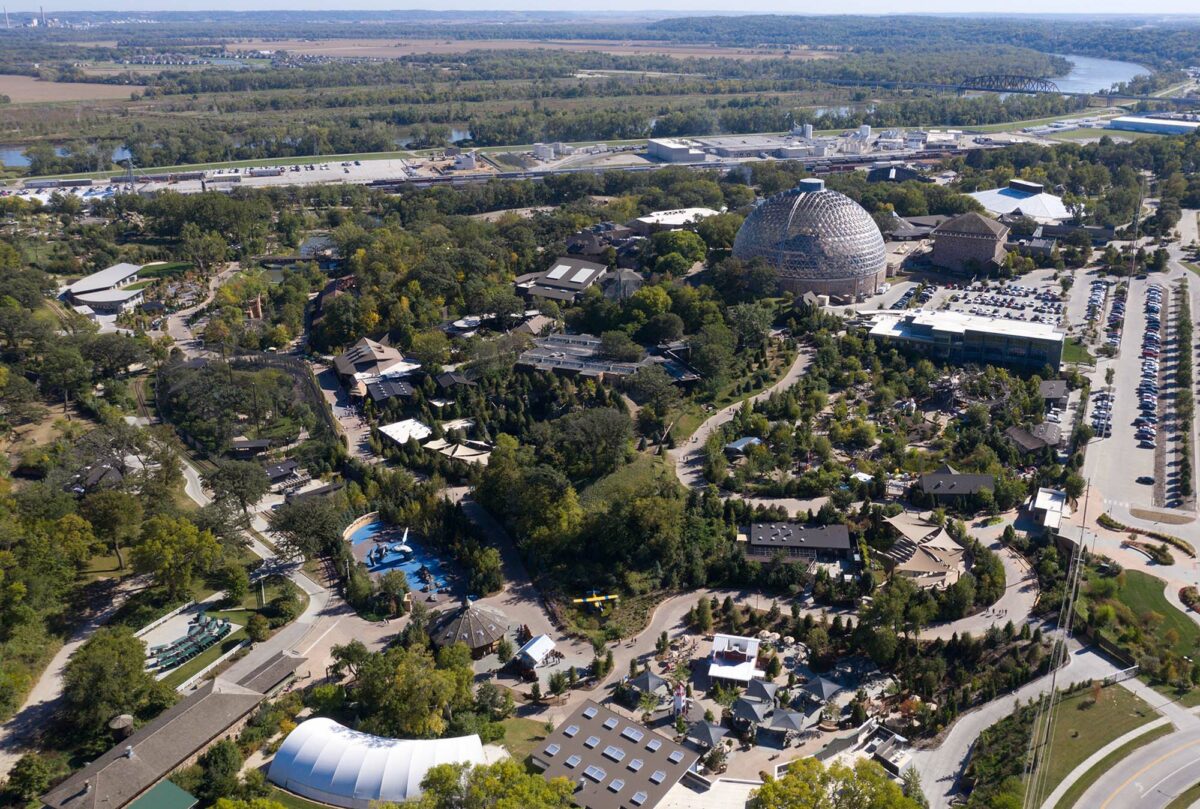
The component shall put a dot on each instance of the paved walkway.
(689, 457)
(20, 732)
(942, 766)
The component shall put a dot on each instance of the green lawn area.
(290, 801)
(1143, 593)
(1082, 728)
(165, 269)
(1088, 133)
(626, 481)
(1191, 265)
(521, 736)
(1075, 351)
(1076, 790)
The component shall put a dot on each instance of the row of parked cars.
(1116, 319)
(1147, 421)
(923, 294)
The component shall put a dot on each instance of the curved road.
(1150, 777)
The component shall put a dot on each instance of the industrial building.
(1156, 126)
(816, 240)
(674, 151)
(110, 301)
(969, 243)
(963, 338)
(1023, 198)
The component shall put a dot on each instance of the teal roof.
(165, 795)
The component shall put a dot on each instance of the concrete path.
(689, 457)
(942, 766)
(20, 732)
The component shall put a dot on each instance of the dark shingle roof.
(475, 625)
(796, 535)
(972, 224)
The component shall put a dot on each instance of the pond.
(14, 157)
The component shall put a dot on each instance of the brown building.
(969, 243)
(613, 762)
(176, 738)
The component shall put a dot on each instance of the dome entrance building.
(816, 240)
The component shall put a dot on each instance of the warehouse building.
(963, 338)
(795, 542)
(673, 151)
(1156, 126)
(669, 220)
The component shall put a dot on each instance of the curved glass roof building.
(817, 241)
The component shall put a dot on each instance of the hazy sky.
(1190, 7)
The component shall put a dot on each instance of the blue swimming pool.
(381, 534)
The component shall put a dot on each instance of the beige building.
(925, 553)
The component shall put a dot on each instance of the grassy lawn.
(1082, 728)
(521, 736)
(1074, 792)
(626, 481)
(1191, 265)
(1143, 593)
(166, 268)
(1075, 351)
(290, 801)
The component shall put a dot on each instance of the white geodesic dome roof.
(333, 764)
(812, 233)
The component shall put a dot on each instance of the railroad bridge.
(1008, 83)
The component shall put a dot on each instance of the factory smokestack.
(42, 9)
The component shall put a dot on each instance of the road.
(1150, 777)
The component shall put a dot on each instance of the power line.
(1041, 738)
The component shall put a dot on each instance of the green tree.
(310, 527)
(115, 516)
(221, 764)
(241, 482)
(29, 777)
(258, 628)
(503, 785)
(173, 550)
(808, 784)
(504, 650)
(106, 677)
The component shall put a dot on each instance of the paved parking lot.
(1118, 462)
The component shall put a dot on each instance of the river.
(1091, 75)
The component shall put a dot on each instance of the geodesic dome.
(816, 240)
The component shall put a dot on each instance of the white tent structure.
(333, 764)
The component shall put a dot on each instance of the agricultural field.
(29, 90)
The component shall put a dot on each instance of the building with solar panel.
(817, 240)
(565, 281)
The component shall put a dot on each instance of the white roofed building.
(1051, 507)
(669, 220)
(965, 338)
(407, 430)
(1023, 198)
(332, 764)
(110, 301)
(734, 659)
(114, 277)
